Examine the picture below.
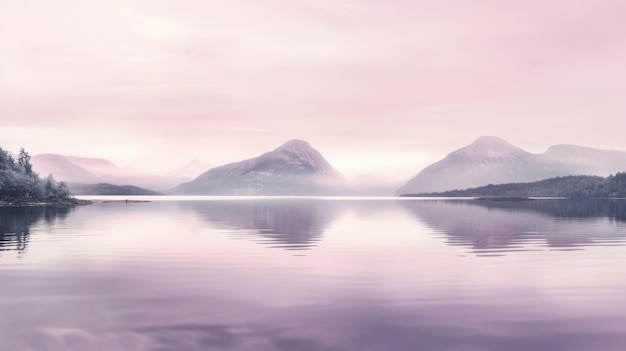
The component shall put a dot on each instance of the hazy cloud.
(409, 81)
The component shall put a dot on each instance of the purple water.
(315, 274)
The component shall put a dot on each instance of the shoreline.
(64, 203)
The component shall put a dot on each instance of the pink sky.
(378, 86)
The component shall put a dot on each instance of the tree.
(7, 162)
(63, 190)
(18, 182)
(24, 161)
(48, 185)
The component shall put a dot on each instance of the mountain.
(62, 168)
(108, 189)
(574, 159)
(85, 170)
(491, 160)
(294, 168)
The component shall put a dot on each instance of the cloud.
(240, 72)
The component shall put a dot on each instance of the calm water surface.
(314, 274)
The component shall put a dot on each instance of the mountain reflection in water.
(508, 226)
(288, 224)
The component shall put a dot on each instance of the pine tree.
(24, 162)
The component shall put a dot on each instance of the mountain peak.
(492, 141)
(295, 145)
(488, 159)
(295, 167)
(300, 152)
(490, 147)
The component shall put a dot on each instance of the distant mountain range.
(294, 168)
(491, 160)
(85, 170)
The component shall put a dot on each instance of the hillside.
(86, 170)
(108, 189)
(491, 160)
(571, 186)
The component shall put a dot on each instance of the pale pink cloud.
(145, 81)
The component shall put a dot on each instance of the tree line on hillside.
(19, 183)
(570, 186)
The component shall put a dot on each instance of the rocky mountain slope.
(294, 168)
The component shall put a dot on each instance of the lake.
(311, 274)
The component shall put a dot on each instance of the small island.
(20, 186)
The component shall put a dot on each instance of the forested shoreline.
(21, 186)
(613, 186)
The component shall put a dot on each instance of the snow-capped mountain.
(491, 160)
(294, 168)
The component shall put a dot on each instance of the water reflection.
(613, 209)
(497, 227)
(15, 224)
(289, 224)
(115, 278)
